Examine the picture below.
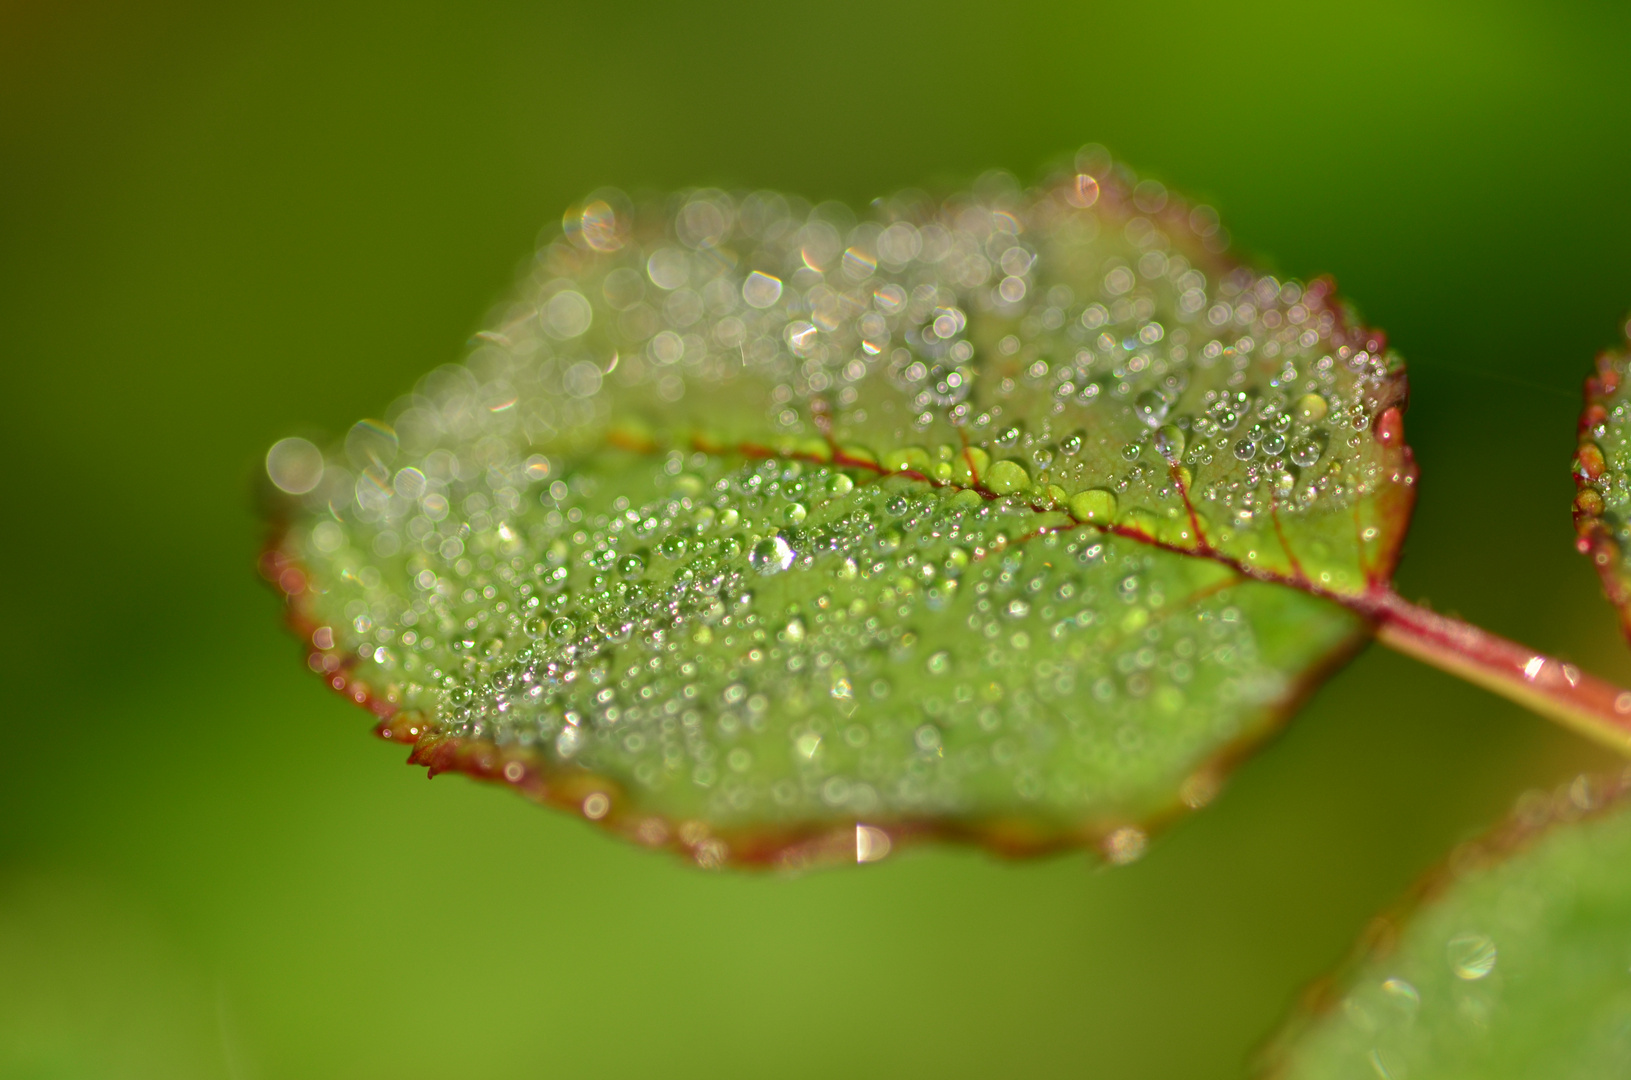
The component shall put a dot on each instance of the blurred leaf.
(1513, 961)
(1602, 479)
(768, 534)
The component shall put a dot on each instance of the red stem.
(1559, 691)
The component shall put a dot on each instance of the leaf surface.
(1602, 478)
(1512, 962)
(770, 533)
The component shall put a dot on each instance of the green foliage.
(770, 535)
(766, 533)
(1515, 963)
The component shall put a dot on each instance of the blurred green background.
(220, 224)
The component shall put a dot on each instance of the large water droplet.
(1151, 407)
(771, 555)
(1007, 477)
(1305, 453)
(1169, 442)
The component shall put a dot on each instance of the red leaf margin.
(1594, 534)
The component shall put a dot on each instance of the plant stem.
(1561, 692)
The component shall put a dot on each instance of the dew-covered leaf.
(1602, 477)
(1512, 963)
(770, 532)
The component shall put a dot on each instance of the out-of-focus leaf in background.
(1511, 961)
(217, 226)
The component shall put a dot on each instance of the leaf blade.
(864, 475)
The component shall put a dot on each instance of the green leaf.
(1602, 478)
(1513, 961)
(768, 534)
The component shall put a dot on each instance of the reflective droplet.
(761, 290)
(1007, 477)
(1096, 505)
(871, 844)
(1471, 956)
(1305, 453)
(772, 555)
(1151, 407)
(1169, 442)
(1245, 449)
(1402, 994)
(1311, 408)
(1125, 845)
(371, 444)
(294, 465)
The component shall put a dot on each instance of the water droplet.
(794, 513)
(294, 465)
(1305, 453)
(761, 290)
(1007, 477)
(771, 555)
(1125, 845)
(871, 844)
(1245, 449)
(1402, 994)
(631, 565)
(1072, 444)
(939, 663)
(1311, 408)
(1273, 443)
(562, 628)
(1095, 505)
(1169, 442)
(1151, 407)
(371, 444)
(1471, 956)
